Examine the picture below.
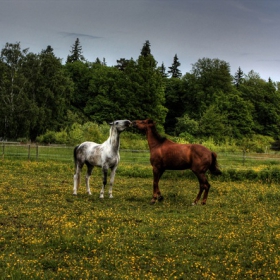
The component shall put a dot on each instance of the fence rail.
(238, 160)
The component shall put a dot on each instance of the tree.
(174, 69)
(135, 92)
(162, 70)
(15, 106)
(213, 123)
(81, 75)
(104, 103)
(266, 103)
(76, 53)
(146, 49)
(174, 102)
(121, 64)
(234, 118)
(186, 127)
(50, 88)
(208, 77)
(238, 77)
(150, 90)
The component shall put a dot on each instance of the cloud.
(79, 35)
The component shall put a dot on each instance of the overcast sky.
(244, 33)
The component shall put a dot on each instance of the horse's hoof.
(101, 196)
(160, 198)
(75, 194)
(194, 204)
(152, 202)
(110, 196)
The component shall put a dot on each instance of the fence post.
(37, 152)
(244, 156)
(3, 150)
(29, 152)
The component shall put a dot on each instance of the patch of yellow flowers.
(46, 233)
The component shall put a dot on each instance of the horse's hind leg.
(203, 186)
(77, 180)
(201, 189)
(89, 171)
(206, 188)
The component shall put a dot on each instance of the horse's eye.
(117, 122)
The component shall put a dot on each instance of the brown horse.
(167, 155)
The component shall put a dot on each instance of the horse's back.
(87, 152)
(175, 156)
(171, 156)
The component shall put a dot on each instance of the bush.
(47, 138)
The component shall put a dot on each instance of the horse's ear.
(112, 123)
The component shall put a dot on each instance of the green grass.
(46, 233)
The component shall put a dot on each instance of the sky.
(243, 33)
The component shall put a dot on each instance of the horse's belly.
(177, 166)
(171, 165)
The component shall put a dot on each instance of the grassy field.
(46, 233)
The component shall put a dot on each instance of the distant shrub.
(48, 137)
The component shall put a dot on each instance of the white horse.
(105, 155)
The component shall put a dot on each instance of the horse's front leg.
(156, 192)
(105, 174)
(112, 178)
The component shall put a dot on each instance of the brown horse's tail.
(214, 165)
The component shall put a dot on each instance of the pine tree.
(104, 63)
(174, 71)
(76, 53)
(121, 64)
(238, 77)
(98, 61)
(146, 50)
(162, 70)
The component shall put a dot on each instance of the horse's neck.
(153, 138)
(114, 140)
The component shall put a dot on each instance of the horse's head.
(143, 124)
(120, 125)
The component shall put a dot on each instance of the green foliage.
(91, 131)
(48, 137)
(266, 104)
(34, 91)
(186, 125)
(175, 101)
(78, 133)
(257, 143)
(39, 94)
(213, 123)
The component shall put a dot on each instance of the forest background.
(44, 100)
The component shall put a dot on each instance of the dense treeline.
(39, 94)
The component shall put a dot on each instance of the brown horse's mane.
(160, 138)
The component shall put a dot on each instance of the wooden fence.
(238, 160)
